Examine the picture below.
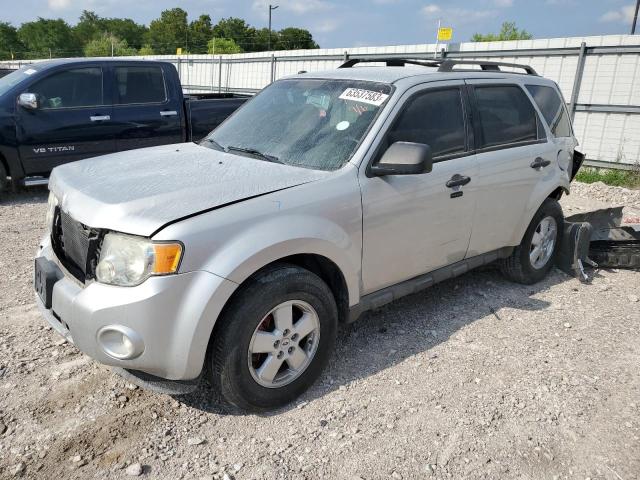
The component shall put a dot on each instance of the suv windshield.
(303, 122)
(9, 81)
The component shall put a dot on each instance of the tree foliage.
(45, 37)
(106, 45)
(169, 32)
(93, 35)
(200, 32)
(508, 31)
(220, 46)
(10, 46)
(92, 27)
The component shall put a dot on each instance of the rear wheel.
(534, 257)
(274, 339)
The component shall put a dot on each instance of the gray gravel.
(474, 378)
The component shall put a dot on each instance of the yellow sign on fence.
(178, 51)
(445, 34)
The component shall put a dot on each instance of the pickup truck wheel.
(534, 257)
(3, 178)
(274, 339)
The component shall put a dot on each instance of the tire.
(248, 325)
(4, 183)
(519, 266)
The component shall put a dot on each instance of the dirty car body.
(297, 177)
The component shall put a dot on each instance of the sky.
(354, 23)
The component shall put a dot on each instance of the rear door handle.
(457, 181)
(540, 163)
(168, 113)
(99, 118)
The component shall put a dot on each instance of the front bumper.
(169, 319)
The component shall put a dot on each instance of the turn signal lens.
(167, 258)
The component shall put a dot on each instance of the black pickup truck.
(59, 111)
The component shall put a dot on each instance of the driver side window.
(79, 87)
(435, 118)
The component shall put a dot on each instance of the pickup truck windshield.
(9, 81)
(308, 123)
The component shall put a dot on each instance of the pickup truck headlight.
(128, 261)
(51, 210)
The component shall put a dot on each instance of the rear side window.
(78, 87)
(552, 108)
(139, 85)
(506, 115)
(435, 118)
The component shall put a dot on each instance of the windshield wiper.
(254, 152)
(216, 145)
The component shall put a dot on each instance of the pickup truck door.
(147, 111)
(72, 120)
(414, 224)
(515, 159)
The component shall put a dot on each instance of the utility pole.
(435, 53)
(635, 18)
(272, 8)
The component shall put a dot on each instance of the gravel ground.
(474, 378)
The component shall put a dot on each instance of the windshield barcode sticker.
(364, 96)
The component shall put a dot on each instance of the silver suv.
(326, 195)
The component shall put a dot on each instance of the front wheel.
(534, 257)
(274, 339)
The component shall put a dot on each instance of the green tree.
(89, 26)
(200, 32)
(146, 50)
(509, 31)
(292, 38)
(46, 37)
(10, 46)
(126, 29)
(219, 46)
(240, 32)
(169, 32)
(106, 44)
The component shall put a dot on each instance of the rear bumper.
(167, 320)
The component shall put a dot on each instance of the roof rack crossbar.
(444, 65)
(389, 61)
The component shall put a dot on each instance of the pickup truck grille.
(75, 245)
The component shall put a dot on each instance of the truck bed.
(208, 110)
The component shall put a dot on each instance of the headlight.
(128, 261)
(51, 210)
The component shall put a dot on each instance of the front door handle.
(540, 163)
(168, 113)
(99, 118)
(458, 181)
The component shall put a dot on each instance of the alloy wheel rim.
(284, 343)
(543, 242)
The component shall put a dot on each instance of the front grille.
(75, 244)
(75, 241)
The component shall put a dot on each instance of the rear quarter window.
(553, 110)
(506, 115)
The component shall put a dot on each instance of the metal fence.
(599, 77)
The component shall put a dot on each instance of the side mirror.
(29, 101)
(404, 158)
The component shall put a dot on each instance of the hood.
(140, 191)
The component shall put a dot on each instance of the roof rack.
(442, 65)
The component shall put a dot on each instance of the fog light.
(120, 342)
